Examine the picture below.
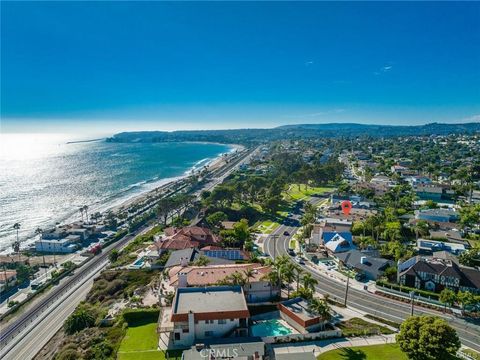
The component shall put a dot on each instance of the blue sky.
(152, 65)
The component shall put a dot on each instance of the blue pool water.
(269, 328)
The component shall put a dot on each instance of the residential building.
(368, 267)
(437, 215)
(187, 256)
(435, 192)
(186, 237)
(7, 278)
(209, 312)
(336, 242)
(296, 312)
(436, 274)
(249, 348)
(228, 254)
(257, 288)
(65, 245)
(428, 247)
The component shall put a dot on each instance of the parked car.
(299, 260)
(291, 252)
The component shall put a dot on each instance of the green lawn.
(298, 192)
(143, 337)
(149, 355)
(374, 352)
(267, 226)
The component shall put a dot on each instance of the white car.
(299, 260)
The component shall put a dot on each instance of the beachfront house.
(7, 278)
(208, 312)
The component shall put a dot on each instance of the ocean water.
(44, 179)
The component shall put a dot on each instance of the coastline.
(211, 165)
(115, 204)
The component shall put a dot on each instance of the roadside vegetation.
(93, 331)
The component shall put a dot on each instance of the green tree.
(79, 320)
(428, 338)
(202, 261)
(470, 257)
(113, 256)
(321, 308)
(216, 218)
(466, 298)
(448, 297)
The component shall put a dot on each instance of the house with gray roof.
(227, 348)
(368, 266)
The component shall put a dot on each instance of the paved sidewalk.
(321, 346)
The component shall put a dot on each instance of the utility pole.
(346, 290)
(274, 238)
(412, 296)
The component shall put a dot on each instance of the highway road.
(23, 337)
(362, 300)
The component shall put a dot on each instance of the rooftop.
(215, 299)
(300, 308)
(212, 274)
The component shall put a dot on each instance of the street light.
(346, 290)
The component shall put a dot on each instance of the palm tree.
(272, 278)
(309, 282)
(321, 308)
(16, 245)
(298, 273)
(288, 275)
(85, 208)
(39, 231)
(237, 279)
(249, 274)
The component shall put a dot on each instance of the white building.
(206, 313)
(68, 244)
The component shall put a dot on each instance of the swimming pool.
(138, 263)
(269, 328)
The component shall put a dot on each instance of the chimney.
(183, 262)
(182, 279)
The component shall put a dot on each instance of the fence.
(303, 337)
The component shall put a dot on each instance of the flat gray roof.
(300, 308)
(209, 299)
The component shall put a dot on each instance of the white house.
(206, 313)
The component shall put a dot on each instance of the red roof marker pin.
(346, 207)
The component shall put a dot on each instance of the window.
(208, 321)
(185, 331)
(222, 322)
(177, 336)
(208, 333)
